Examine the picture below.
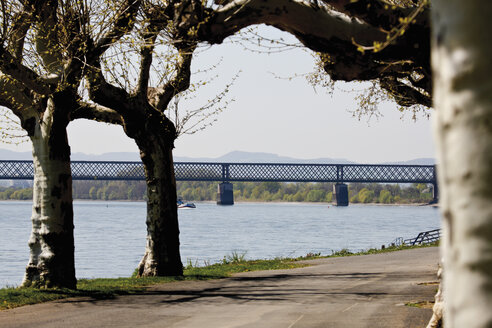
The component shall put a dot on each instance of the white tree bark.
(45, 103)
(462, 68)
(51, 262)
(438, 308)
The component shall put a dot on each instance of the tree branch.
(123, 23)
(149, 36)
(106, 94)
(334, 29)
(96, 112)
(378, 13)
(160, 97)
(403, 94)
(14, 96)
(21, 22)
(47, 45)
(297, 17)
(10, 66)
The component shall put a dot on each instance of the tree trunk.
(162, 257)
(462, 68)
(51, 244)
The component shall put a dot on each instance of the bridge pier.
(340, 194)
(435, 193)
(225, 194)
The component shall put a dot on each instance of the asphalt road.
(357, 291)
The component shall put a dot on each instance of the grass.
(346, 252)
(107, 288)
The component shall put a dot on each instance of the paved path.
(358, 291)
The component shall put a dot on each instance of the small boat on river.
(182, 204)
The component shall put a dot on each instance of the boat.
(182, 204)
(187, 205)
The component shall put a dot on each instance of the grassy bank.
(112, 287)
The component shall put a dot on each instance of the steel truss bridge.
(229, 172)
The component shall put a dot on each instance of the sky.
(274, 114)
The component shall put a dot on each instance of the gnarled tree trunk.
(462, 68)
(156, 141)
(51, 244)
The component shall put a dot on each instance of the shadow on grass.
(241, 290)
(104, 289)
(90, 290)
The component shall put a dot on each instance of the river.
(110, 236)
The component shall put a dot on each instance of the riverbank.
(327, 204)
(357, 291)
(244, 191)
(109, 288)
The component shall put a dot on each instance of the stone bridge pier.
(340, 194)
(435, 193)
(225, 194)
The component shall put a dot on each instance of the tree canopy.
(396, 32)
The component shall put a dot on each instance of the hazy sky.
(281, 116)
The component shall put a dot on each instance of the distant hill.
(121, 156)
(249, 157)
(417, 161)
(232, 157)
(15, 155)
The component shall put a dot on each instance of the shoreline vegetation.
(364, 193)
(108, 288)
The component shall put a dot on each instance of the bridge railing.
(229, 172)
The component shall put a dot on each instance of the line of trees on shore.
(243, 191)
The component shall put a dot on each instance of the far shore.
(238, 202)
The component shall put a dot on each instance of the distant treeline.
(244, 191)
(309, 192)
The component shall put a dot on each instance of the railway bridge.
(226, 173)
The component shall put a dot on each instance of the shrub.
(385, 197)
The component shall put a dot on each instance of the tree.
(461, 52)
(385, 197)
(70, 39)
(93, 193)
(315, 195)
(365, 195)
(42, 44)
(151, 118)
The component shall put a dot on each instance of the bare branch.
(10, 66)
(160, 97)
(47, 45)
(11, 131)
(104, 93)
(123, 23)
(14, 96)
(21, 22)
(312, 26)
(149, 36)
(96, 112)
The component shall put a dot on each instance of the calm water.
(110, 236)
